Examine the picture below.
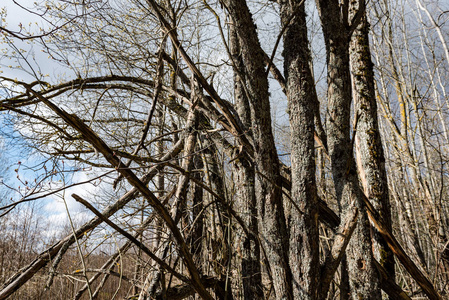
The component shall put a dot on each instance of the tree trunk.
(273, 229)
(304, 247)
(369, 152)
(245, 202)
(363, 276)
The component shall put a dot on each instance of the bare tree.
(168, 103)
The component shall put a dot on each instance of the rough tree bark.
(369, 151)
(363, 275)
(244, 173)
(291, 245)
(273, 229)
(304, 247)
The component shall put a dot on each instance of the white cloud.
(55, 209)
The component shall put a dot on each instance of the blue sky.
(54, 206)
(14, 148)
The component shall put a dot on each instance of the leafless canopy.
(170, 114)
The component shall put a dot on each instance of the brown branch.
(146, 128)
(389, 286)
(338, 249)
(397, 249)
(183, 291)
(233, 126)
(110, 156)
(134, 240)
(27, 272)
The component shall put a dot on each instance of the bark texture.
(304, 248)
(363, 276)
(273, 229)
(244, 173)
(369, 152)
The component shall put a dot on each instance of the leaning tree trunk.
(369, 152)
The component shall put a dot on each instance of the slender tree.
(167, 107)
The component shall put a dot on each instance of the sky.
(16, 18)
(52, 208)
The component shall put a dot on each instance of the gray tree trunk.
(273, 229)
(369, 152)
(363, 276)
(304, 247)
(245, 201)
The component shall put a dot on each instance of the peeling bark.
(369, 151)
(363, 275)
